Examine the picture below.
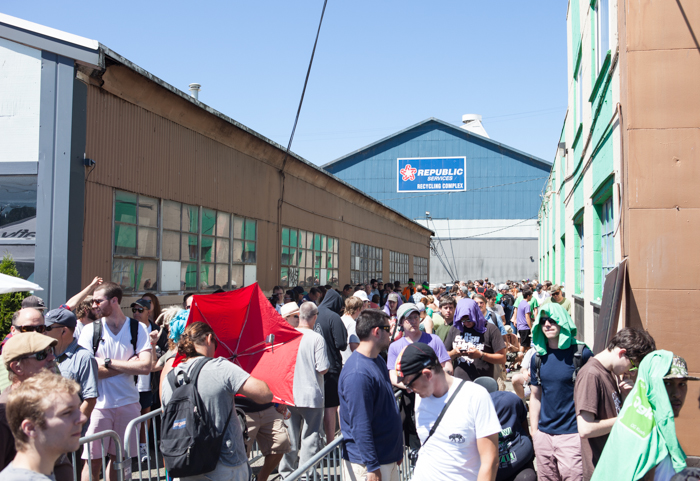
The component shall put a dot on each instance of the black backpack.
(189, 441)
(578, 364)
(97, 336)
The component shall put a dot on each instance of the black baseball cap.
(61, 316)
(414, 358)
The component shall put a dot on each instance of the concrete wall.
(498, 259)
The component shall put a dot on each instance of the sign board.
(606, 327)
(432, 174)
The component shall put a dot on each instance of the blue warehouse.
(479, 196)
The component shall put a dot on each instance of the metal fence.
(118, 465)
(133, 429)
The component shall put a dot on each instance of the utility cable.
(493, 231)
(443, 251)
(280, 203)
(461, 191)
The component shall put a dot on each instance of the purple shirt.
(430, 339)
(521, 322)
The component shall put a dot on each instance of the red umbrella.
(252, 334)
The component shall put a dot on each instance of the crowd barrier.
(119, 465)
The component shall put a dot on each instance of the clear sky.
(380, 65)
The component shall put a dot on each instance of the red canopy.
(242, 320)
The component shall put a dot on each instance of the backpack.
(189, 441)
(97, 337)
(578, 363)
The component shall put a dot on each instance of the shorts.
(330, 386)
(268, 429)
(525, 337)
(115, 419)
(146, 399)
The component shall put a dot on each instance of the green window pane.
(335, 245)
(189, 247)
(148, 211)
(171, 246)
(206, 276)
(207, 249)
(285, 256)
(293, 237)
(208, 222)
(249, 230)
(317, 242)
(190, 218)
(188, 276)
(125, 207)
(292, 257)
(249, 256)
(146, 275)
(330, 244)
(301, 259)
(223, 224)
(323, 243)
(285, 236)
(309, 240)
(329, 261)
(302, 238)
(123, 273)
(124, 240)
(171, 215)
(148, 242)
(222, 275)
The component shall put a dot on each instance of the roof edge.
(446, 124)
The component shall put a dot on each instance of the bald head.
(26, 317)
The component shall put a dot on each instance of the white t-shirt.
(311, 360)
(144, 382)
(527, 359)
(498, 309)
(118, 390)
(350, 324)
(540, 296)
(451, 452)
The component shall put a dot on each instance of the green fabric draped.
(567, 335)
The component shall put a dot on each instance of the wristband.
(482, 355)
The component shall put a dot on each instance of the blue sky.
(380, 65)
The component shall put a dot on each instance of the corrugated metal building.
(179, 197)
(485, 218)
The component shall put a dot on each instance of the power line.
(493, 231)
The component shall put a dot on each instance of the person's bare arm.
(488, 453)
(590, 427)
(103, 372)
(528, 318)
(78, 298)
(87, 406)
(136, 366)
(256, 390)
(394, 380)
(535, 405)
(167, 367)
(447, 366)
(455, 353)
(428, 325)
(498, 357)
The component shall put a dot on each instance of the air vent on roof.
(472, 123)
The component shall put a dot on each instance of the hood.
(645, 426)
(398, 304)
(333, 301)
(567, 335)
(469, 307)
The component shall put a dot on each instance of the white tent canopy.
(16, 284)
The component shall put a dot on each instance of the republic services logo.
(408, 173)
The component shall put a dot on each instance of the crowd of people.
(389, 366)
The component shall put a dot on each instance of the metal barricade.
(119, 464)
(134, 429)
(325, 465)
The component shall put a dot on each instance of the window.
(199, 249)
(602, 33)
(607, 246)
(308, 259)
(579, 99)
(398, 267)
(365, 263)
(582, 269)
(420, 269)
(135, 262)
(18, 221)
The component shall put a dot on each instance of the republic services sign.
(436, 174)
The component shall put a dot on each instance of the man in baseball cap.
(34, 302)
(290, 312)
(465, 443)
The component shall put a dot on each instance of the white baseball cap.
(361, 295)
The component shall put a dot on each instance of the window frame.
(309, 255)
(374, 257)
(401, 261)
(601, 52)
(607, 237)
(420, 269)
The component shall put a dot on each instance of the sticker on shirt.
(467, 341)
(639, 417)
(506, 457)
(457, 438)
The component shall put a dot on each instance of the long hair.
(154, 303)
(195, 334)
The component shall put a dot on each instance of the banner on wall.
(434, 174)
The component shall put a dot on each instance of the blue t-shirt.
(521, 322)
(369, 417)
(557, 411)
(431, 340)
(514, 443)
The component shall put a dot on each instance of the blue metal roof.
(502, 182)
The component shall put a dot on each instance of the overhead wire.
(493, 231)
(461, 191)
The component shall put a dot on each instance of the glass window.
(579, 94)
(602, 32)
(365, 263)
(582, 270)
(135, 264)
(607, 245)
(203, 244)
(398, 267)
(420, 269)
(307, 259)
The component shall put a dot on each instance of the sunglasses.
(137, 309)
(98, 301)
(385, 328)
(39, 329)
(52, 327)
(408, 386)
(41, 355)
